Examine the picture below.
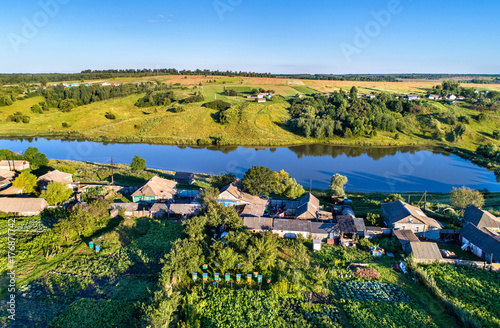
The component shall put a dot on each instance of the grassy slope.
(260, 124)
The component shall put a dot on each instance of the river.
(368, 169)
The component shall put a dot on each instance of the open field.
(258, 124)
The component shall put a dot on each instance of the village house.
(251, 210)
(405, 237)
(290, 229)
(425, 251)
(184, 210)
(483, 242)
(20, 206)
(155, 190)
(401, 216)
(56, 176)
(366, 95)
(6, 178)
(451, 97)
(9, 165)
(433, 97)
(350, 228)
(184, 178)
(481, 218)
(258, 224)
(308, 207)
(159, 210)
(412, 97)
(232, 195)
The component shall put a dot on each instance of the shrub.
(18, 117)
(179, 109)
(36, 109)
(110, 116)
(496, 134)
(65, 125)
(193, 99)
(218, 104)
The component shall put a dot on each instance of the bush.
(179, 109)
(110, 116)
(193, 99)
(18, 117)
(218, 104)
(482, 117)
(496, 134)
(36, 109)
(65, 125)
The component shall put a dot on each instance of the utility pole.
(112, 172)
(425, 199)
(310, 185)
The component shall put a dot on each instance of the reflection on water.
(385, 169)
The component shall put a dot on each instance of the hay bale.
(363, 272)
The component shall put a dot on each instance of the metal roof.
(425, 251)
(481, 218)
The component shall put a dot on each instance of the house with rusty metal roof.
(55, 176)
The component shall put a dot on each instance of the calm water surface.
(368, 169)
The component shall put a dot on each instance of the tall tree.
(138, 163)
(25, 181)
(337, 185)
(464, 197)
(259, 180)
(36, 158)
(56, 193)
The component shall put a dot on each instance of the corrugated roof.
(399, 211)
(425, 251)
(482, 238)
(259, 223)
(406, 236)
(252, 210)
(22, 205)
(10, 191)
(481, 218)
(185, 209)
(157, 187)
(13, 165)
(56, 176)
(308, 207)
(291, 225)
(243, 196)
(320, 227)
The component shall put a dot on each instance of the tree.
(223, 180)
(353, 94)
(56, 193)
(36, 158)
(259, 180)
(36, 109)
(25, 181)
(464, 197)
(138, 163)
(337, 185)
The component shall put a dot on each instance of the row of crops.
(251, 308)
(371, 291)
(476, 291)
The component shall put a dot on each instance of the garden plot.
(371, 291)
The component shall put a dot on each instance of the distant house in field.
(22, 206)
(425, 251)
(261, 100)
(105, 84)
(14, 165)
(451, 97)
(433, 97)
(75, 84)
(401, 216)
(412, 97)
(55, 176)
(155, 190)
(483, 242)
(308, 207)
(481, 218)
(461, 98)
(258, 224)
(184, 178)
(232, 195)
(366, 95)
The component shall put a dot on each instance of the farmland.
(463, 285)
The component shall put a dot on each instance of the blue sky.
(290, 36)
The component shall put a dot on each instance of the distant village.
(335, 224)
